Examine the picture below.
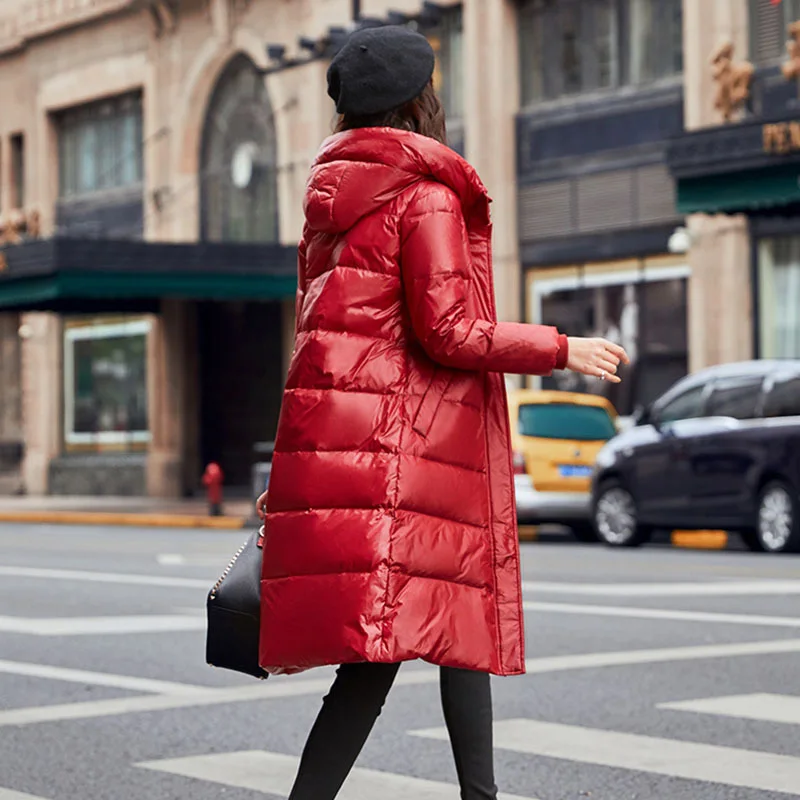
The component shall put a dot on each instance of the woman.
(390, 519)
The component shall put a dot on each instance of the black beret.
(380, 69)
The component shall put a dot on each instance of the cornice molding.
(37, 18)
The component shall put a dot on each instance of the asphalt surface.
(104, 693)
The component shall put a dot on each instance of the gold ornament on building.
(732, 78)
(791, 67)
(17, 223)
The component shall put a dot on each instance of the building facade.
(153, 158)
(737, 168)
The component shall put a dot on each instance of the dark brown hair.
(423, 115)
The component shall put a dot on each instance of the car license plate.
(574, 471)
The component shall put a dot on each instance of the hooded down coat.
(391, 526)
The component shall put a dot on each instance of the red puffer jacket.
(391, 527)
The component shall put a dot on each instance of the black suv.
(720, 450)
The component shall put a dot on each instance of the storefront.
(752, 168)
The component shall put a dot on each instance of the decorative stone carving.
(164, 15)
(18, 222)
(791, 67)
(733, 80)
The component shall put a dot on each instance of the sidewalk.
(129, 511)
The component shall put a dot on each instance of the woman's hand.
(597, 358)
(261, 506)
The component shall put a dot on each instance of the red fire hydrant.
(212, 480)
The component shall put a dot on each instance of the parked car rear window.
(735, 397)
(566, 421)
(783, 399)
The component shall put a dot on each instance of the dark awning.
(752, 190)
(741, 167)
(70, 274)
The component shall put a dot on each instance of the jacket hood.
(356, 172)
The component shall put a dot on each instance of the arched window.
(238, 159)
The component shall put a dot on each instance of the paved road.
(659, 675)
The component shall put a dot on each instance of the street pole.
(356, 10)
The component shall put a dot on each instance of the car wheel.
(616, 518)
(584, 532)
(777, 521)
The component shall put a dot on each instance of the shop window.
(737, 398)
(18, 171)
(105, 384)
(779, 288)
(768, 28)
(783, 398)
(570, 47)
(644, 311)
(100, 146)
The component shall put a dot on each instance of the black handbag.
(234, 612)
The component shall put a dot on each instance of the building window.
(778, 289)
(18, 171)
(570, 47)
(768, 28)
(105, 383)
(239, 159)
(100, 146)
(447, 40)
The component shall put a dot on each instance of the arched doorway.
(240, 342)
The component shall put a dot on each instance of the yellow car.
(556, 437)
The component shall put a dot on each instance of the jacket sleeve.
(301, 283)
(437, 273)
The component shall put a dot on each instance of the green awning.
(71, 274)
(740, 191)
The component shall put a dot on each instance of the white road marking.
(761, 707)
(97, 679)
(170, 559)
(300, 686)
(10, 794)
(87, 626)
(675, 615)
(728, 766)
(274, 774)
(688, 589)
(84, 576)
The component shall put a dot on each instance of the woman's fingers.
(617, 351)
(607, 366)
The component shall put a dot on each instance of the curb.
(114, 519)
(684, 540)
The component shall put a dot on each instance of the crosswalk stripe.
(97, 678)
(88, 626)
(676, 615)
(296, 687)
(761, 707)
(87, 576)
(682, 589)
(274, 774)
(10, 794)
(676, 759)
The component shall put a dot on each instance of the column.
(491, 67)
(42, 397)
(170, 395)
(720, 289)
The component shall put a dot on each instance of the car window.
(685, 406)
(566, 421)
(783, 399)
(735, 397)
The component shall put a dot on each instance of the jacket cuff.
(563, 351)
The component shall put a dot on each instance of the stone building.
(153, 155)
(737, 168)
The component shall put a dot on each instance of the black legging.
(353, 704)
